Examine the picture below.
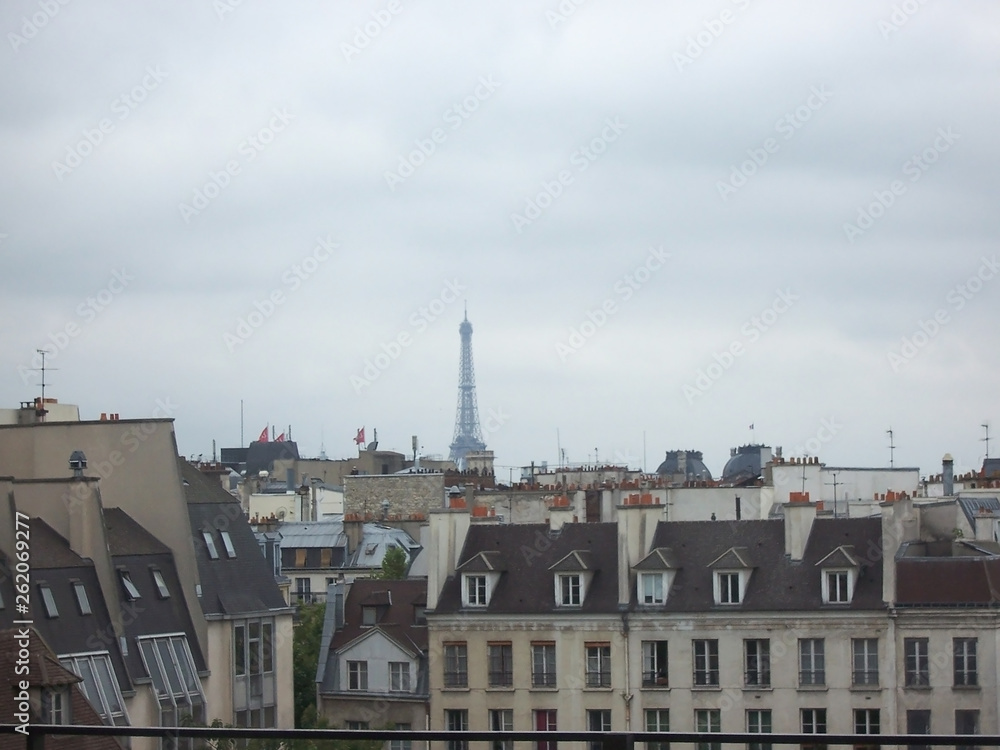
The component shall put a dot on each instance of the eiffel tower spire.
(468, 437)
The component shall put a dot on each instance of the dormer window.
(480, 577)
(131, 592)
(839, 575)
(573, 575)
(730, 590)
(651, 588)
(569, 590)
(369, 616)
(730, 576)
(475, 590)
(654, 574)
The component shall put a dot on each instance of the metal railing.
(37, 734)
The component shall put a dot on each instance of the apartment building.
(806, 623)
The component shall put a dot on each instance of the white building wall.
(378, 651)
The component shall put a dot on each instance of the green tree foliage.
(393, 564)
(305, 658)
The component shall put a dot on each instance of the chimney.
(985, 525)
(77, 463)
(354, 528)
(738, 508)
(799, 517)
(636, 527)
(561, 514)
(448, 529)
(900, 524)
(948, 474)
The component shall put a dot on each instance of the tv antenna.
(892, 448)
(40, 410)
(986, 426)
(835, 484)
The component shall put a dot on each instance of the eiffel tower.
(468, 436)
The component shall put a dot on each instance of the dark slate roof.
(261, 456)
(948, 581)
(991, 468)
(777, 583)
(660, 558)
(397, 620)
(126, 537)
(745, 463)
(230, 586)
(526, 552)
(694, 466)
(71, 632)
(45, 671)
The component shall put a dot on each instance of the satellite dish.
(281, 514)
(373, 445)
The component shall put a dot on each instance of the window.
(161, 585)
(657, 720)
(966, 722)
(651, 588)
(729, 588)
(545, 721)
(213, 553)
(82, 602)
(326, 557)
(266, 647)
(502, 720)
(917, 666)
(48, 601)
(814, 722)
(303, 590)
(131, 592)
(475, 591)
(707, 720)
(812, 662)
(866, 721)
(227, 543)
(456, 665)
(399, 676)
(569, 590)
(598, 721)
(55, 705)
(501, 664)
(369, 616)
(401, 744)
(240, 649)
(99, 685)
(864, 654)
(759, 722)
(706, 663)
(456, 720)
(171, 668)
(598, 665)
(357, 675)
(357, 725)
(838, 587)
(543, 665)
(419, 615)
(757, 662)
(965, 662)
(300, 557)
(918, 722)
(654, 664)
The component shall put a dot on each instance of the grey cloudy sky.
(669, 221)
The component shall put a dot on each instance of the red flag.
(280, 438)
(360, 437)
(263, 436)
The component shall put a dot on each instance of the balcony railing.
(38, 733)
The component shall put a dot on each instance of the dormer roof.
(732, 558)
(660, 558)
(484, 562)
(841, 557)
(576, 561)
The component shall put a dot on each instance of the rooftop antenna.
(41, 411)
(986, 426)
(804, 472)
(835, 484)
(892, 449)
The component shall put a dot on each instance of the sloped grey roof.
(972, 504)
(306, 534)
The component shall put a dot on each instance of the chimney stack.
(799, 517)
(948, 474)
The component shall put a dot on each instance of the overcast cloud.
(669, 221)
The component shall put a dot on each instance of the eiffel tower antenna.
(468, 436)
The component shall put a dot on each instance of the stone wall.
(408, 494)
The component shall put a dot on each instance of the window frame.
(82, 600)
(705, 666)
(655, 674)
(759, 721)
(569, 590)
(547, 676)
(597, 660)
(475, 590)
(456, 665)
(500, 664)
(865, 651)
(965, 665)
(916, 663)
(812, 662)
(399, 677)
(659, 596)
(357, 675)
(757, 666)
